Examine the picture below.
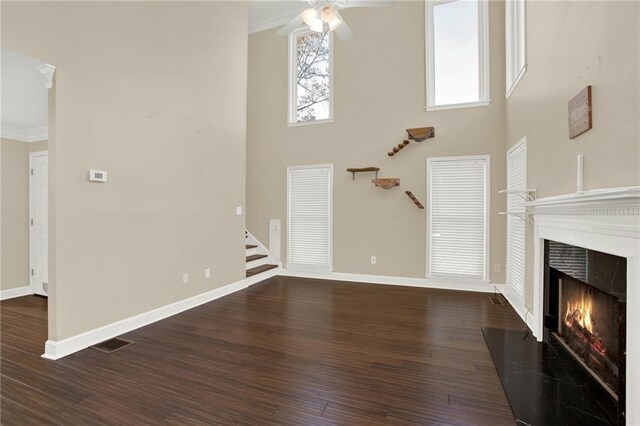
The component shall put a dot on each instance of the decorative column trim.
(47, 70)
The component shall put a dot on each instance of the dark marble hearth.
(544, 384)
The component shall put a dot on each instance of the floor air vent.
(112, 345)
(496, 300)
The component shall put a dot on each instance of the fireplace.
(585, 313)
(603, 221)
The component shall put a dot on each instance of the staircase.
(258, 258)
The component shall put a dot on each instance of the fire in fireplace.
(590, 328)
(585, 312)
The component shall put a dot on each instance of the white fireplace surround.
(608, 221)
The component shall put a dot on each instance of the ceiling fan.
(323, 16)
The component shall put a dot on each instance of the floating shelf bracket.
(354, 170)
(526, 194)
(524, 216)
(386, 183)
(414, 199)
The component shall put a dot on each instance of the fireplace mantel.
(611, 201)
(606, 220)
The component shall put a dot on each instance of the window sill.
(521, 74)
(458, 106)
(310, 123)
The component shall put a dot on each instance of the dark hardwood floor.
(285, 351)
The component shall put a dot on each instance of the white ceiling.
(266, 14)
(23, 94)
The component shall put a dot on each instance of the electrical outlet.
(239, 211)
(497, 267)
(373, 260)
(207, 273)
(185, 278)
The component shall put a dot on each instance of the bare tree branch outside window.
(312, 81)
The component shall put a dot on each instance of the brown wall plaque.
(580, 119)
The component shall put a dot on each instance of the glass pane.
(312, 79)
(456, 56)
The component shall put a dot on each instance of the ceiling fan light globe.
(327, 14)
(334, 23)
(317, 26)
(309, 16)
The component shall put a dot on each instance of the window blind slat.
(309, 218)
(458, 217)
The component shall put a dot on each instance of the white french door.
(457, 217)
(39, 221)
(516, 226)
(309, 218)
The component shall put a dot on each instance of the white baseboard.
(444, 284)
(518, 306)
(58, 349)
(16, 292)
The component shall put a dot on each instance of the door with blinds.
(516, 226)
(309, 201)
(457, 217)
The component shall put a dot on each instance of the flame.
(580, 312)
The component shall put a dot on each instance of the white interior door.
(38, 221)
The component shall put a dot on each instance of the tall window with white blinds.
(457, 219)
(309, 204)
(516, 227)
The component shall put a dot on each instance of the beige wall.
(572, 45)
(379, 92)
(154, 93)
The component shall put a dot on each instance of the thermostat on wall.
(97, 176)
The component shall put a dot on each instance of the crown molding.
(24, 134)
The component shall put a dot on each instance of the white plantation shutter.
(458, 216)
(309, 218)
(516, 229)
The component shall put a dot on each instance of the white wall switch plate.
(497, 267)
(207, 273)
(185, 278)
(97, 176)
(239, 211)
(373, 260)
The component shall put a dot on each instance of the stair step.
(256, 257)
(258, 269)
(250, 246)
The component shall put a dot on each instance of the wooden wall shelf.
(354, 170)
(386, 183)
(414, 199)
(420, 134)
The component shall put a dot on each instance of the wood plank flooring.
(285, 351)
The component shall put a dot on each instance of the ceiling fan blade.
(291, 25)
(367, 3)
(343, 30)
